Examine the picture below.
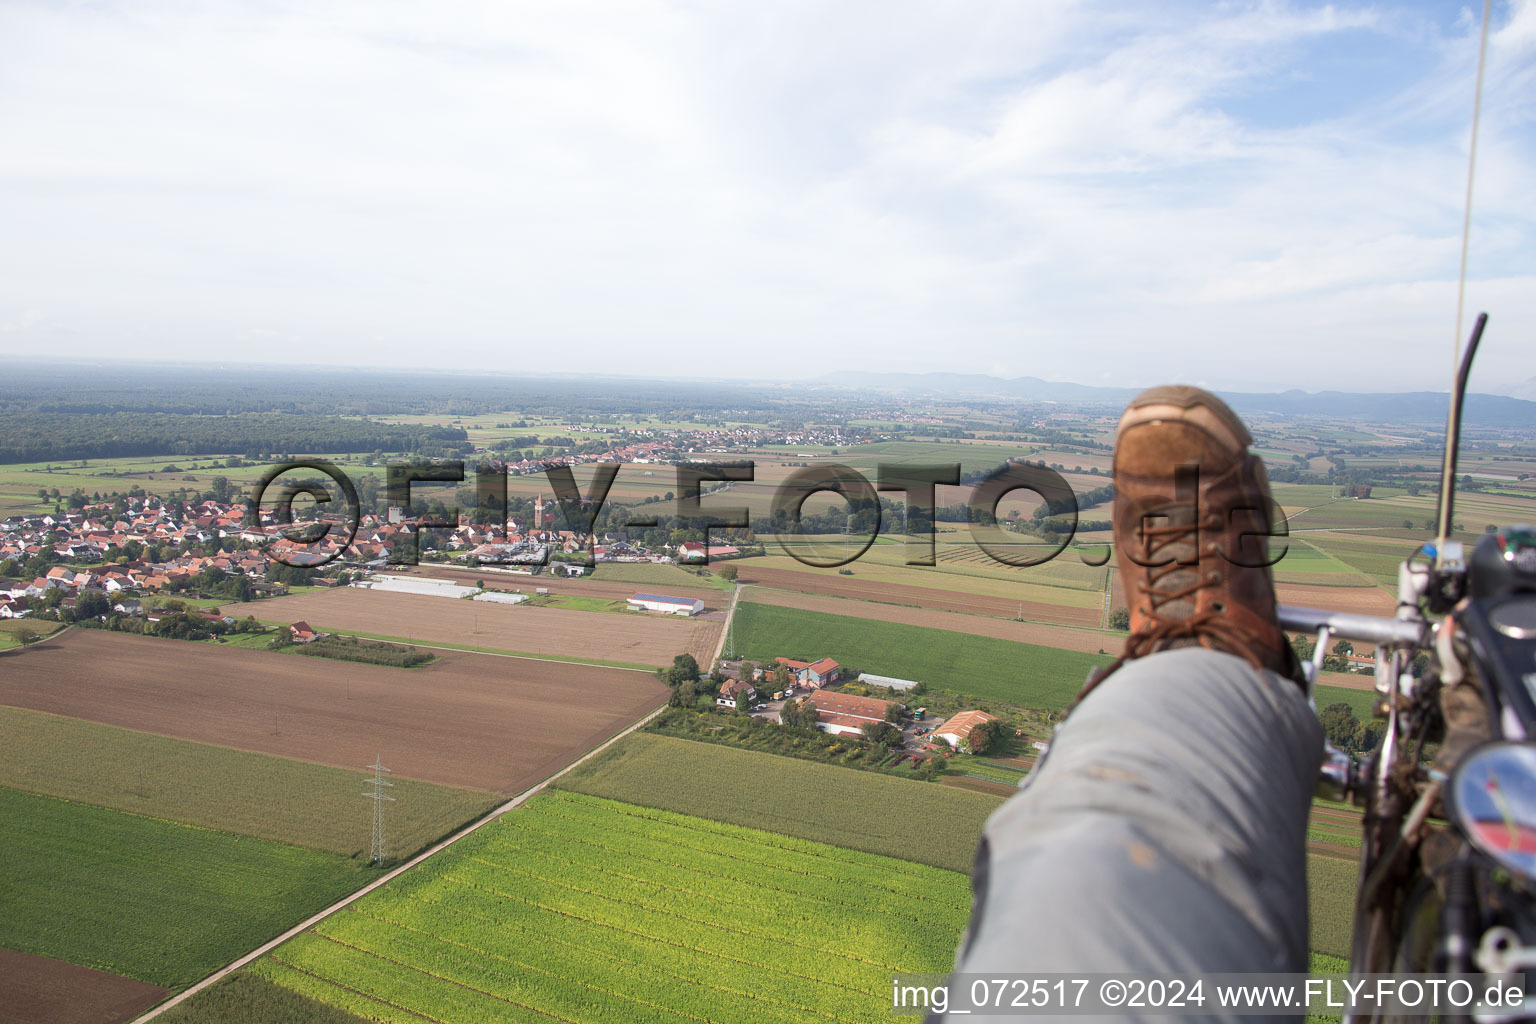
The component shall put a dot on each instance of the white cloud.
(764, 190)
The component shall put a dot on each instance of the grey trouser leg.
(1165, 830)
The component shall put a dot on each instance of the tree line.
(44, 436)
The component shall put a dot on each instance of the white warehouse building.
(670, 605)
(888, 681)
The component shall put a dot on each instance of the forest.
(56, 436)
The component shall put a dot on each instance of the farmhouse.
(302, 633)
(669, 605)
(813, 673)
(845, 713)
(957, 730)
(731, 692)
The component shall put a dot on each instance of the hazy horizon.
(1261, 195)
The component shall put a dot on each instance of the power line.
(378, 796)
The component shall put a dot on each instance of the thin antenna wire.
(1448, 472)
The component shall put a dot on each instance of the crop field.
(1366, 600)
(19, 482)
(720, 782)
(581, 909)
(1069, 638)
(655, 574)
(925, 588)
(959, 563)
(1023, 674)
(1043, 634)
(1331, 902)
(634, 483)
(246, 997)
(1376, 558)
(471, 720)
(820, 802)
(635, 639)
(257, 795)
(153, 900)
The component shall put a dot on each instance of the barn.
(845, 712)
(957, 730)
(668, 605)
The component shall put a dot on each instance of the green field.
(1359, 701)
(1025, 674)
(248, 998)
(149, 899)
(19, 482)
(257, 795)
(577, 604)
(11, 630)
(579, 909)
(1331, 902)
(823, 803)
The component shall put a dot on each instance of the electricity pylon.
(378, 796)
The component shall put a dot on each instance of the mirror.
(1492, 798)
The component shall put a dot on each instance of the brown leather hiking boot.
(1192, 510)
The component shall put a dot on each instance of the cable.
(1448, 473)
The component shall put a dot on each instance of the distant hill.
(1416, 407)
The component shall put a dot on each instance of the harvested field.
(1365, 600)
(1070, 638)
(473, 720)
(39, 990)
(917, 597)
(631, 639)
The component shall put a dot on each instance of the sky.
(1248, 195)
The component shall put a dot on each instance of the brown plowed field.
(38, 990)
(558, 585)
(1365, 600)
(918, 597)
(633, 637)
(1070, 638)
(476, 720)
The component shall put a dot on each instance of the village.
(135, 547)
